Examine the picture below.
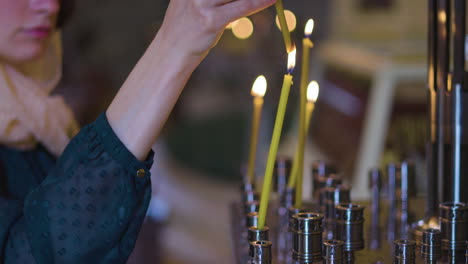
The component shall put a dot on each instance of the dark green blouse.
(86, 207)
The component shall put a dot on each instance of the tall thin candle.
(312, 95)
(298, 164)
(258, 91)
(284, 26)
(307, 45)
(287, 82)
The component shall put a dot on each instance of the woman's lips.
(38, 32)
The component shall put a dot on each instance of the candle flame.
(292, 60)
(309, 28)
(259, 87)
(313, 91)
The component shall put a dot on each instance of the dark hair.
(65, 13)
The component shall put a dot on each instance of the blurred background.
(369, 59)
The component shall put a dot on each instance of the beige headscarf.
(28, 113)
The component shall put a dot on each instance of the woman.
(87, 206)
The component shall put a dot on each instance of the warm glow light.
(290, 20)
(292, 59)
(232, 24)
(309, 28)
(243, 29)
(259, 87)
(442, 16)
(313, 91)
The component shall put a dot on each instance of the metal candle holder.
(454, 227)
(260, 252)
(431, 245)
(333, 252)
(334, 196)
(405, 252)
(349, 228)
(254, 234)
(375, 184)
(307, 237)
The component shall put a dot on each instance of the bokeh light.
(290, 20)
(232, 24)
(243, 28)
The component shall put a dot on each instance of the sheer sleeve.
(89, 209)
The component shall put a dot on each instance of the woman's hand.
(195, 26)
(190, 29)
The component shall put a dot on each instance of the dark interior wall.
(111, 35)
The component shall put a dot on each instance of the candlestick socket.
(333, 251)
(431, 244)
(408, 178)
(332, 180)
(335, 196)
(454, 225)
(291, 212)
(247, 186)
(393, 170)
(307, 237)
(349, 226)
(466, 252)
(281, 174)
(375, 178)
(405, 251)
(320, 171)
(251, 207)
(249, 196)
(260, 252)
(375, 184)
(288, 198)
(254, 234)
(251, 219)
(321, 168)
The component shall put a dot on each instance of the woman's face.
(25, 28)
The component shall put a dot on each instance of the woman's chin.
(24, 53)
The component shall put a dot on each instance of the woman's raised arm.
(190, 29)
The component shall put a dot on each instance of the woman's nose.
(50, 7)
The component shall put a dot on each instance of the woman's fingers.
(232, 10)
(201, 22)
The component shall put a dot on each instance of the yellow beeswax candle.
(258, 91)
(266, 188)
(312, 96)
(284, 26)
(307, 45)
(298, 163)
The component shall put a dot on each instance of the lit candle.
(307, 45)
(258, 91)
(298, 164)
(312, 95)
(284, 26)
(287, 82)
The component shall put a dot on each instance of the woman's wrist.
(188, 45)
